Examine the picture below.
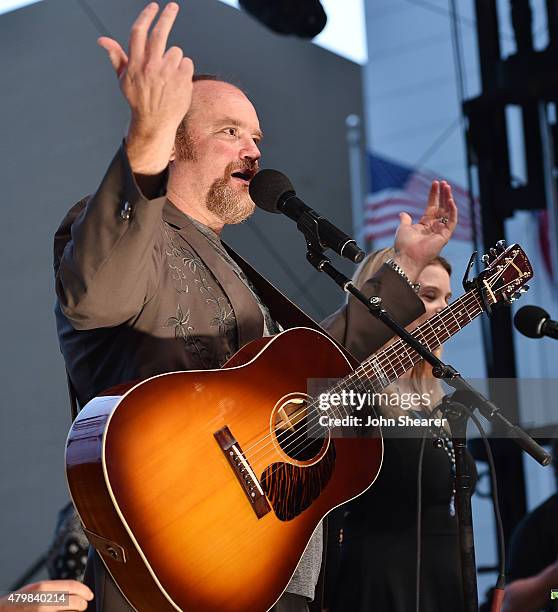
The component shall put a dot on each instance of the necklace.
(442, 440)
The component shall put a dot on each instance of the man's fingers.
(74, 587)
(405, 219)
(448, 208)
(159, 36)
(116, 53)
(138, 33)
(433, 199)
(78, 595)
(76, 603)
(187, 66)
(446, 195)
(452, 213)
(173, 57)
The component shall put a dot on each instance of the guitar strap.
(74, 405)
(282, 310)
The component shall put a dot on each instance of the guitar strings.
(381, 386)
(302, 438)
(384, 359)
(301, 441)
(420, 329)
(295, 438)
(450, 308)
(427, 341)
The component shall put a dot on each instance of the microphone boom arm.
(319, 232)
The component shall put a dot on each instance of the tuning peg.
(502, 245)
(520, 292)
(485, 259)
(493, 252)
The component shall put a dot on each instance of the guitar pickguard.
(291, 489)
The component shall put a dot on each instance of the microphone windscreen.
(268, 187)
(529, 319)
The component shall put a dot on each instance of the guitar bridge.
(243, 472)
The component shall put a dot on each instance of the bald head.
(208, 94)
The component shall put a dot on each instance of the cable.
(419, 519)
(496, 505)
(501, 581)
(437, 143)
(94, 18)
(440, 11)
(406, 47)
(407, 89)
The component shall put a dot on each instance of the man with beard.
(145, 285)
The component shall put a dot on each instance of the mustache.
(248, 166)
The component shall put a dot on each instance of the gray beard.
(230, 206)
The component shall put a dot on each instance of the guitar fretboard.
(382, 368)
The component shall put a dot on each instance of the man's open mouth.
(243, 175)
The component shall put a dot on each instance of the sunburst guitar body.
(200, 490)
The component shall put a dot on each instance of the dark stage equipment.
(526, 80)
(303, 18)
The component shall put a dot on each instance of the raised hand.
(157, 85)
(417, 244)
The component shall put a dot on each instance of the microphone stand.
(457, 414)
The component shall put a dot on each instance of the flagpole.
(353, 124)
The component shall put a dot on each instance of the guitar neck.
(391, 363)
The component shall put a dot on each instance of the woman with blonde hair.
(372, 542)
(435, 291)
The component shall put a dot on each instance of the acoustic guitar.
(200, 490)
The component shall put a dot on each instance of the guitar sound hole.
(293, 429)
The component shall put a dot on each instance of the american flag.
(397, 188)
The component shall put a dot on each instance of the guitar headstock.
(507, 271)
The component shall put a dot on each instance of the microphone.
(272, 191)
(535, 322)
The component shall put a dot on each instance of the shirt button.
(126, 211)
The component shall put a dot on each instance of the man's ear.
(172, 155)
